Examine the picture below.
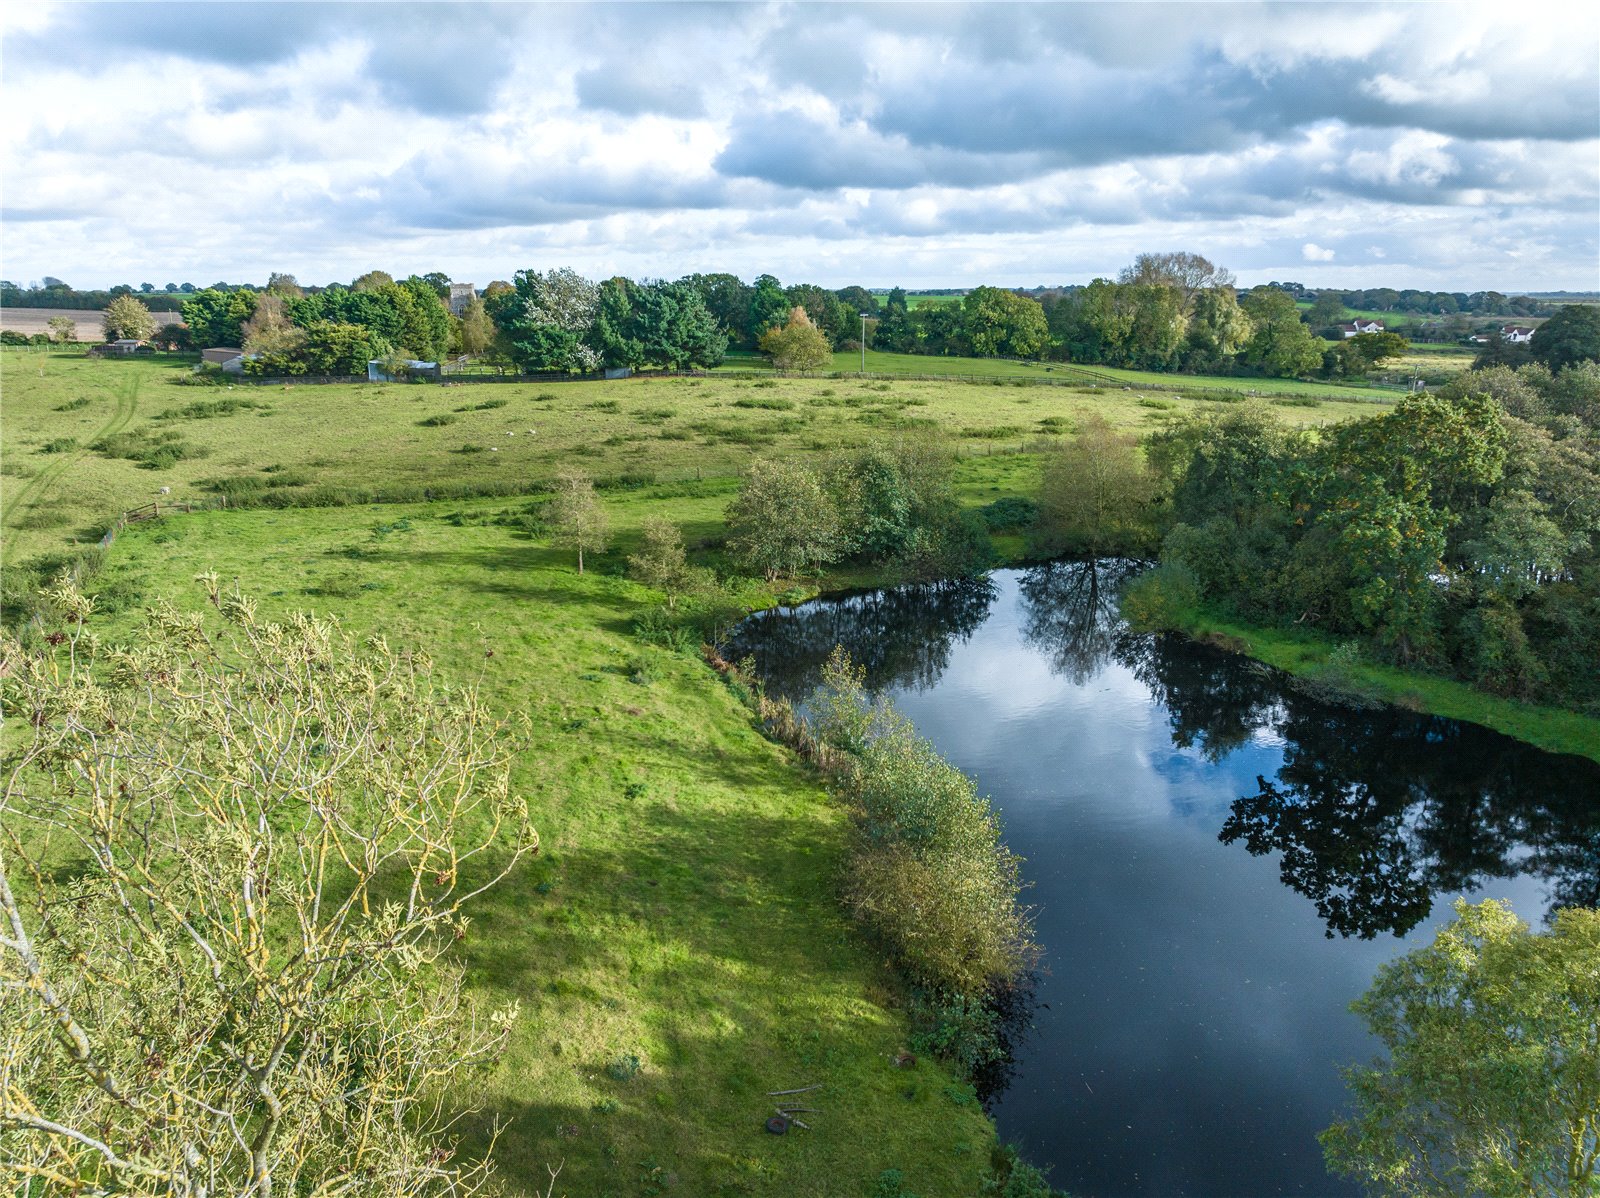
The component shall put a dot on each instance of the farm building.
(125, 345)
(231, 360)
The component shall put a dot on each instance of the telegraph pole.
(863, 343)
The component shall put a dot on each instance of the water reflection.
(900, 637)
(1376, 810)
(1070, 614)
(1373, 811)
(1214, 857)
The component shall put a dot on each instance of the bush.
(1161, 598)
(1009, 513)
(930, 876)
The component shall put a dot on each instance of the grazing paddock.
(134, 431)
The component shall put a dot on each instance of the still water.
(1218, 861)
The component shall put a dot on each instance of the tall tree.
(1187, 272)
(1002, 323)
(782, 520)
(798, 345)
(1280, 345)
(546, 320)
(1571, 336)
(1097, 493)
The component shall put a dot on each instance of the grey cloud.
(791, 149)
(433, 58)
(448, 192)
(632, 90)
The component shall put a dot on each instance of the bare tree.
(232, 863)
(577, 518)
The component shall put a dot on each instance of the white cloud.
(881, 144)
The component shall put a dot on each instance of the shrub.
(1160, 598)
(930, 876)
(1009, 513)
(59, 445)
(439, 421)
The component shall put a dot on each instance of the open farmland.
(37, 320)
(349, 442)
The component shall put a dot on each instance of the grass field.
(681, 917)
(291, 440)
(677, 947)
(1023, 372)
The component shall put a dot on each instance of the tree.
(660, 562)
(126, 317)
(1097, 492)
(547, 320)
(216, 317)
(475, 332)
(1327, 309)
(769, 307)
(63, 329)
(576, 516)
(798, 345)
(782, 520)
(285, 285)
(1280, 345)
(1003, 323)
(1571, 336)
(373, 280)
(269, 330)
(243, 984)
(1188, 273)
(1493, 1080)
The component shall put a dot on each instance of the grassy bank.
(678, 948)
(1308, 655)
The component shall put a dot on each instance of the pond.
(1218, 857)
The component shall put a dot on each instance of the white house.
(1361, 326)
(1518, 334)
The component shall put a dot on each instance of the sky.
(1446, 146)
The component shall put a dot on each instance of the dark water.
(1219, 861)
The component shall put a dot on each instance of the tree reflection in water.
(900, 637)
(1070, 614)
(1376, 810)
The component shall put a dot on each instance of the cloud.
(1451, 143)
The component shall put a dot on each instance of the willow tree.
(234, 856)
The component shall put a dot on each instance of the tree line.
(1459, 532)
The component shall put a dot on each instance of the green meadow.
(297, 444)
(677, 947)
